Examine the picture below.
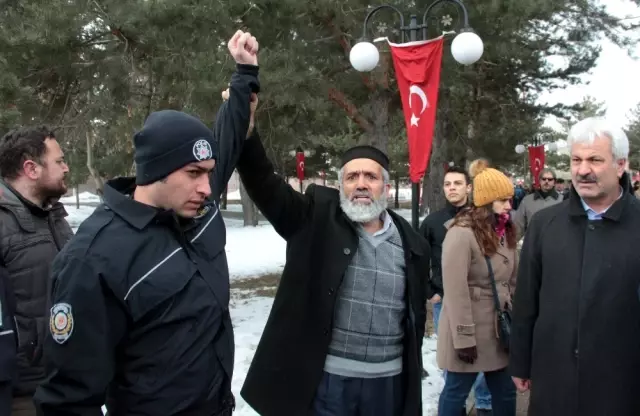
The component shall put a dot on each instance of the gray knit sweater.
(368, 330)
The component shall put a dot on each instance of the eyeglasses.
(548, 179)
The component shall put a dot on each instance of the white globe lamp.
(364, 56)
(520, 149)
(552, 147)
(467, 48)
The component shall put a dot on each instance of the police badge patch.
(202, 212)
(61, 322)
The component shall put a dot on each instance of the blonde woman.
(480, 245)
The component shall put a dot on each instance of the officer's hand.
(244, 48)
(435, 299)
(468, 355)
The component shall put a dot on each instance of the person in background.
(561, 189)
(468, 344)
(457, 187)
(33, 229)
(575, 340)
(541, 198)
(519, 194)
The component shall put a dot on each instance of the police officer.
(140, 317)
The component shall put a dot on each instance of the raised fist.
(244, 48)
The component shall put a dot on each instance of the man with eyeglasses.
(541, 198)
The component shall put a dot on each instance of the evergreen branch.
(354, 114)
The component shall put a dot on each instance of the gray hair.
(587, 130)
(385, 176)
(547, 170)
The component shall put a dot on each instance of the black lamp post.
(466, 49)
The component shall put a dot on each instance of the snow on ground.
(255, 251)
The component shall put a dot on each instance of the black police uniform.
(140, 317)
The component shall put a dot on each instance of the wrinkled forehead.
(362, 166)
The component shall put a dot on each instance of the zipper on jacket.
(52, 230)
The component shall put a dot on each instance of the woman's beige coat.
(468, 316)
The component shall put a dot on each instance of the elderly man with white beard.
(345, 331)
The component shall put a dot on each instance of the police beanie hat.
(488, 184)
(366, 152)
(168, 141)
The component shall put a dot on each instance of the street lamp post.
(466, 48)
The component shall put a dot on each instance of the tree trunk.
(378, 112)
(76, 190)
(92, 171)
(223, 198)
(249, 209)
(432, 192)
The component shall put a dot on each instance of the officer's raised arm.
(232, 123)
(86, 324)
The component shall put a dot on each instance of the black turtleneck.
(540, 194)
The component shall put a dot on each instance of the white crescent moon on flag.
(301, 164)
(538, 163)
(414, 89)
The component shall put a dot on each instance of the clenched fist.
(244, 48)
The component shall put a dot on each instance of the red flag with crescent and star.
(417, 66)
(300, 165)
(536, 163)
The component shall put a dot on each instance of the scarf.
(500, 225)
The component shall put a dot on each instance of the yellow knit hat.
(488, 184)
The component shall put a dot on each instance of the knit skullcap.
(168, 141)
(488, 184)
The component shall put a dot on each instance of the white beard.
(363, 213)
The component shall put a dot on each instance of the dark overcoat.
(576, 323)
(321, 240)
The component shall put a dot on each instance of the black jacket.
(8, 333)
(576, 318)
(289, 361)
(145, 299)
(30, 238)
(434, 231)
(8, 343)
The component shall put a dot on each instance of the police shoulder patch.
(61, 322)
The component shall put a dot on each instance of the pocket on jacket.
(31, 337)
(41, 326)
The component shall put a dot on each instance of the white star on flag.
(414, 120)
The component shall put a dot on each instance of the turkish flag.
(536, 163)
(300, 165)
(417, 66)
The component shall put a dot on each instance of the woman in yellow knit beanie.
(468, 340)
